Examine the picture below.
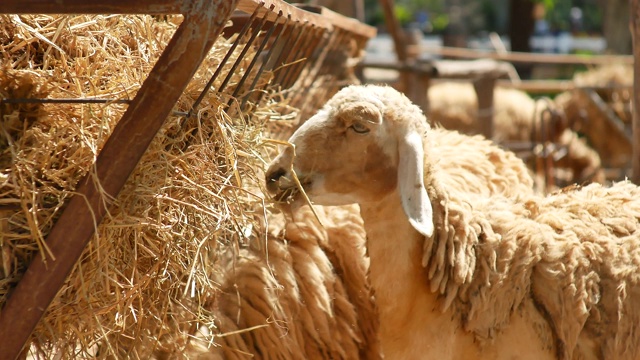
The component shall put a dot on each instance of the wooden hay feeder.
(272, 53)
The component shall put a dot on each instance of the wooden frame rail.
(520, 57)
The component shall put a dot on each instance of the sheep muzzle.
(273, 177)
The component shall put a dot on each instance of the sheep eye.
(359, 128)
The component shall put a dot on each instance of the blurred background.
(546, 26)
(551, 80)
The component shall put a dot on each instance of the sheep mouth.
(287, 195)
(291, 193)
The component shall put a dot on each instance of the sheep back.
(575, 254)
(476, 165)
(588, 278)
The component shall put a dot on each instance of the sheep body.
(304, 297)
(578, 253)
(454, 106)
(500, 275)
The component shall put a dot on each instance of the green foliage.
(440, 22)
(548, 4)
(487, 15)
(403, 14)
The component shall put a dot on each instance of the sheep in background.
(583, 163)
(306, 298)
(609, 140)
(454, 106)
(619, 77)
(497, 277)
(600, 109)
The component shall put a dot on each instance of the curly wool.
(576, 253)
(476, 165)
(307, 298)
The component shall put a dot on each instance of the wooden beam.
(118, 158)
(529, 86)
(349, 24)
(521, 57)
(539, 86)
(421, 68)
(484, 88)
(94, 7)
(460, 69)
(634, 25)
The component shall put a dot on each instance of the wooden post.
(395, 30)
(484, 88)
(484, 74)
(203, 22)
(634, 26)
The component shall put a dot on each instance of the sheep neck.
(396, 273)
(412, 326)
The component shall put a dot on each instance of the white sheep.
(498, 277)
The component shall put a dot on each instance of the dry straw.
(143, 280)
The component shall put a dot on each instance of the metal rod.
(315, 53)
(118, 158)
(216, 73)
(253, 63)
(95, 6)
(634, 26)
(302, 53)
(284, 67)
(64, 101)
(266, 61)
(279, 49)
(244, 51)
(74, 101)
(333, 41)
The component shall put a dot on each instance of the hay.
(143, 279)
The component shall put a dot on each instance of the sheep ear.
(415, 201)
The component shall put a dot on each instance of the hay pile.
(143, 278)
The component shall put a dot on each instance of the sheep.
(499, 276)
(606, 137)
(580, 160)
(303, 297)
(453, 105)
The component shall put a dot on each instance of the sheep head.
(363, 145)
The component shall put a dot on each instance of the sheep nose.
(272, 178)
